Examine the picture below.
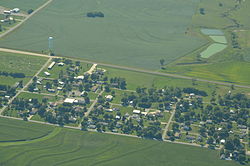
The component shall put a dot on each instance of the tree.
(162, 62)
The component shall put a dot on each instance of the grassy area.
(234, 71)
(12, 130)
(17, 63)
(22, 4)
(40, 97)
(135, 79)
(132, 33)
(230, 65)
(72, 147)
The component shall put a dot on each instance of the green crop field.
(134, 33)
(22, 4)
(14, 130)
(18, 63)
(73, 147)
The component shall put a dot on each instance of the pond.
(214, 32)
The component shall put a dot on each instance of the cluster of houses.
(7, 14)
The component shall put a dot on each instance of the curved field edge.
(13, 130)
(74, 147)
(34, 140)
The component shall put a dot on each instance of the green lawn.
(22, 4)
(39, 97)
(18, 63)
(132, 33)
(74, 147)
(12, 130)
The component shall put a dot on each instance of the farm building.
(69, 101)
(51, 65)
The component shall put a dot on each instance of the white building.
(51, 65)
(47, 73)
(109, 97)
(136, 111)
(69, 101)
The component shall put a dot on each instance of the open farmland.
(14, 130)
(70, 147)
(17, 63)
(132, 33)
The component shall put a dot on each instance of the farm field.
(16, 63)
(14, 130)
(22, 4)
(129, 32)
(72, 147)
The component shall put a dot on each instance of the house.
(222, 141)
(69, 101)
(177, 135)
(81, 102)
(117, 117)
(51, 65)
(92, 126)
(144, 113)
(109, 110)
(7, 12)
(79, 78)
(109, 97)
(47, 73)
(59, 88)
(72, 119)
(61, 64)
(15, 10)
(190, 138)
(186, 128)
(136, 111)
(116, 109)
(33, 111)
(52, 90)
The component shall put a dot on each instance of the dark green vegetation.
(15, 130)
(134, 33)
(17, 63)
(24, 5)
(84, 148)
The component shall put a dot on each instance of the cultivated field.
(132, 33)
(15, 130)
(70, 147)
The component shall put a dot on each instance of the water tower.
(50, 39)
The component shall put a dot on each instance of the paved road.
(91, 69)
(168, 124)
(129, 68)
(28, 17)
(93, 104)
(26, 86)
